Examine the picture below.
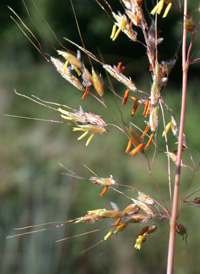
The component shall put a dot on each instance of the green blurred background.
(33, 189)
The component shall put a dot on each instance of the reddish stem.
(172, 234)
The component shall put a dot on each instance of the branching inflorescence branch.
(142, 208)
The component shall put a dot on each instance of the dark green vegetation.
(32, 188)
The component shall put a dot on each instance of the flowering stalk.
(143, 208)
(185, 66)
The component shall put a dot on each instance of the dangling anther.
(131, 24)
(130, 142)
(125, 97)
(117, 222)
(147, 108)
(134, 107)
(85, 93)
(149, 142)
(120, 68)
(104, 191)
(136, 149)
(145, 131)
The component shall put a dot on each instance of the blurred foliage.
(33, 189)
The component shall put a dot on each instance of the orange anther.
(145, 131)
(125, 96)
(130, 142)
(139, 2)
(134, 107)
(117, 222)
(149, 142)
(85, 93)
(104, 191)
(133, 98)
(147, 108)
(120, 68)
(136, 149)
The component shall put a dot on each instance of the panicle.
(144, 206)
(106, 182)
(79, 116)
(138, 218)
(91, 217)
(144, 233)
(145, 198)
(134, 12)
(132, 208)
(103, 181)
(93, 129)
(111, 214)
(66, 73)
(74, 61)
(123, 25)
(87, 77)
(113, 71)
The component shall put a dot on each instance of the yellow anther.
(65, 66)
(109, 234)
(167, 10)
(160, 7)
(89, 139)
(77, 71)
(116, 34)
(113, 31)
(168, 126)
(83, 135)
